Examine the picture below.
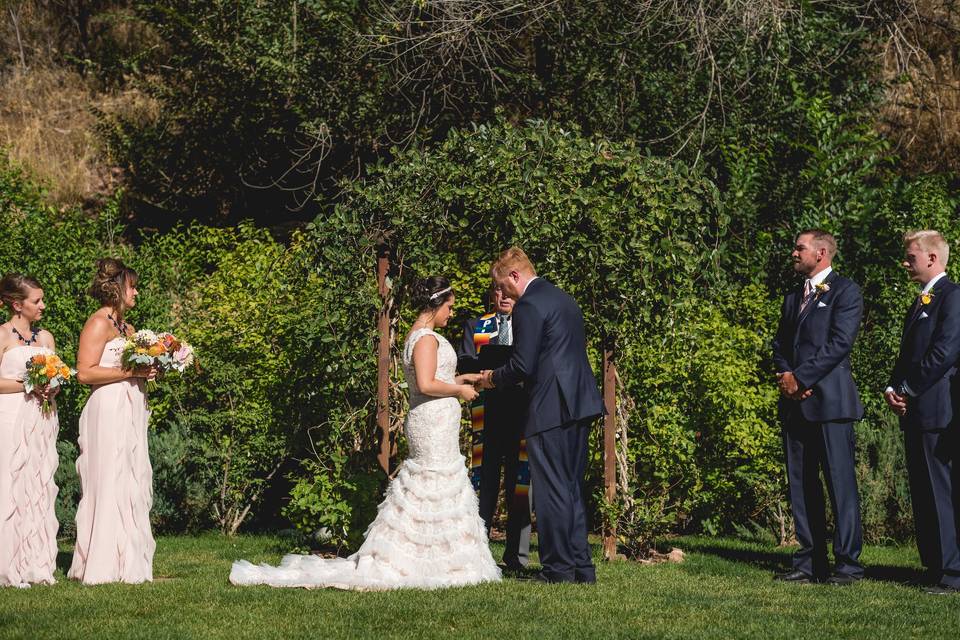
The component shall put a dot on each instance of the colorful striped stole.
(485, 330)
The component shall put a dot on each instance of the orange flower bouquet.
(46, 370)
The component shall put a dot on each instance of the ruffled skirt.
(28, 520)
(427, 535)
(114, 540)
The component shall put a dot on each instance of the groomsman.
(500, 416)
(920, 393)
(818, 407)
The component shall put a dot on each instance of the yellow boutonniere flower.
(822, 288)
(925, 298)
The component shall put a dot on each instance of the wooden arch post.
(383, 361)
(609, 444)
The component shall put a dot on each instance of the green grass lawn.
(723, 590)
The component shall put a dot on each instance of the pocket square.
(923, 315)
(820, 305)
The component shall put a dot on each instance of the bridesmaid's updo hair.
(110, 282)
(14, 287)
(430, 293)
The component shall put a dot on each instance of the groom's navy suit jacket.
(550, 359)
(816, 345)
(929, 350)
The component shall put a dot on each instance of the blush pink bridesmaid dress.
(28, 460)
(114, 541)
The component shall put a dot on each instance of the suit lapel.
(914, 314)
(909, 318)
(794, 306)
(815, 299)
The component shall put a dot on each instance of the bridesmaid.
(28, 444)
(114, 541)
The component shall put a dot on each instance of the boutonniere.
(822, 288)
(926, 298)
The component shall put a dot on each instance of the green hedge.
(279, 424)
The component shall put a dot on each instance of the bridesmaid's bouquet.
(46, 370)
(164, 351)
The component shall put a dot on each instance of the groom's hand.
(486, 379)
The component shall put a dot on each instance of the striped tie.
(807, 296)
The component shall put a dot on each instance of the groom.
(550, 360)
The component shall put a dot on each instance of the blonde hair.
(929, 241)
(513, 259)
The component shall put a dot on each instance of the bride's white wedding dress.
(428, 532)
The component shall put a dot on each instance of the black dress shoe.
(928, 578)
(941, 590)
(540, 576)
(842, 579)
(795, 576)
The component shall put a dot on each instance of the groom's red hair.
(513, 259)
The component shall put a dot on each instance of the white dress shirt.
(819, 278)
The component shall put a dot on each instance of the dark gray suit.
(818, 432)
(550, 360)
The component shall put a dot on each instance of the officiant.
(497, 417)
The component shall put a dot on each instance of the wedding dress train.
(428, 532)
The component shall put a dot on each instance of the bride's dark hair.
(430, 293)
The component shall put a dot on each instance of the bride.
(428, 532)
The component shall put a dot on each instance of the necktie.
(807, 296)
(504, 332)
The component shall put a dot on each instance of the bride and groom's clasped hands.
(428, 532)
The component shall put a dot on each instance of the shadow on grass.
(775, 562)
(766, 560)
(898, 575)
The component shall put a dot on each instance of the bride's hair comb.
(434, 296)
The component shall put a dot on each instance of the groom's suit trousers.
(558, 461)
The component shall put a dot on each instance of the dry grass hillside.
(921, 112)
(48, 107)
(47, 126)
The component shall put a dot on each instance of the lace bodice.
(446, 363)
(433, 424)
